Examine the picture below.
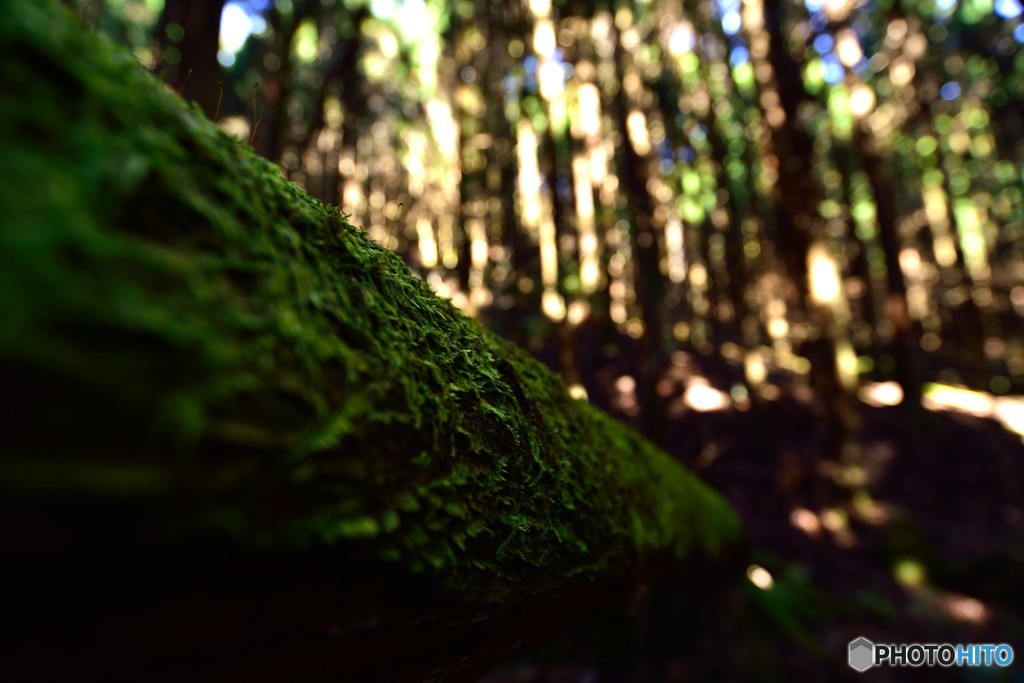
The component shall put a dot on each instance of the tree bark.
(648, 281)
(904, 339)
(197, 72)
(799, 227)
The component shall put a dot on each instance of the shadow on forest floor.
(914, 535)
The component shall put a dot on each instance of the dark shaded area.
(167, 610)
(941, 494)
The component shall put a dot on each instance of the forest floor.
(915, 534)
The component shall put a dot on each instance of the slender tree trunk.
(280, 84)
(797, 221)
(197, 72)
(506, 21)
(904, 341)
(648, 280)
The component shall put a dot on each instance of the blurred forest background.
(783, 239)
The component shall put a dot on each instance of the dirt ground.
(913, 532)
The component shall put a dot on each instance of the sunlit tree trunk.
(555, 150)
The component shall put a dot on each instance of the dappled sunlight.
(1008, 410)
(962, 608)
(760, 577)
(836, 522)
(824, 277)
(910, 573)
(870, 511)
(624, 397)
(806, 521)
(881, 393)
(505, 138)
(702, 397)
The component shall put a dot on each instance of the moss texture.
(186, 331)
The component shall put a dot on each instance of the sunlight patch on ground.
(702, 397)
(1008, 410)
(806, 521)
(962, 608)
(760, 577)
(881, 394)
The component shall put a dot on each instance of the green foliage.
(791, 607)
(263, 369)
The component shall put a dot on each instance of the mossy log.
(239, 435)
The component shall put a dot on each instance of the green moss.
(172, 305)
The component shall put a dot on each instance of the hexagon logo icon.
(862, 654)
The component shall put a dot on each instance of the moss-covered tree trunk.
(240, 440)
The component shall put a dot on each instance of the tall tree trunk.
(197, 72)
(280, 84)
(797, 222)
(648, 281)
(904, 340)
(508, 20)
